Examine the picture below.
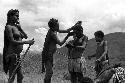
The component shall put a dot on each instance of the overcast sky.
(105, 15)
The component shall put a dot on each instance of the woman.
(13, 45)
(76, 47)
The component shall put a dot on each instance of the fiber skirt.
(77, 65)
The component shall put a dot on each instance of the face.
(15, 17)
(56, 28)
(98, 39)
(78, 33)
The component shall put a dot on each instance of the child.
(101, 52)
(50, 48)
(76, 48)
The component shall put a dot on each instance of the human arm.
(9, 30)
(55, 37)
(65, 31)
(105, 51)
(84, 44)
(70, 44)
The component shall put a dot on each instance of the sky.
(105, 15)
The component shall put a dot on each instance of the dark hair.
(99, 34)
(79, 22)
(52, 23)
(11, 13)
(78, 28)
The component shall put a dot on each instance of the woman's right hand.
(31, 42)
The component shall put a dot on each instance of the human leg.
(49, 71)
(73, 77)
(19, 75)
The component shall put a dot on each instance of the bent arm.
(11, 38)
(65, 31)
(84, 44)
(57, 39)
(105, 51)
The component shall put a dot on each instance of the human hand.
(31, 42)
(70, 34)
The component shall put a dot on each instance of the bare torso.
(100, 50)
(50, 43)
(74, 52)
(15, 48)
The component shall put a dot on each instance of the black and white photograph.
(62, 41)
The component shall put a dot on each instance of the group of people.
(76, 47)
(13, 46)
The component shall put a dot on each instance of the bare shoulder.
(9, 27)
(53, 34)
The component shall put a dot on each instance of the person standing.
(102, 59)
(13, 45)
(76, 48)
(50, 48)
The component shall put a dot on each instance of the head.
(78, 30)
(12, 16)
(79, 23)
(99, 36)
(53, 24)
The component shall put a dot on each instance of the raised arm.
(54, 35)
(65, 31)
